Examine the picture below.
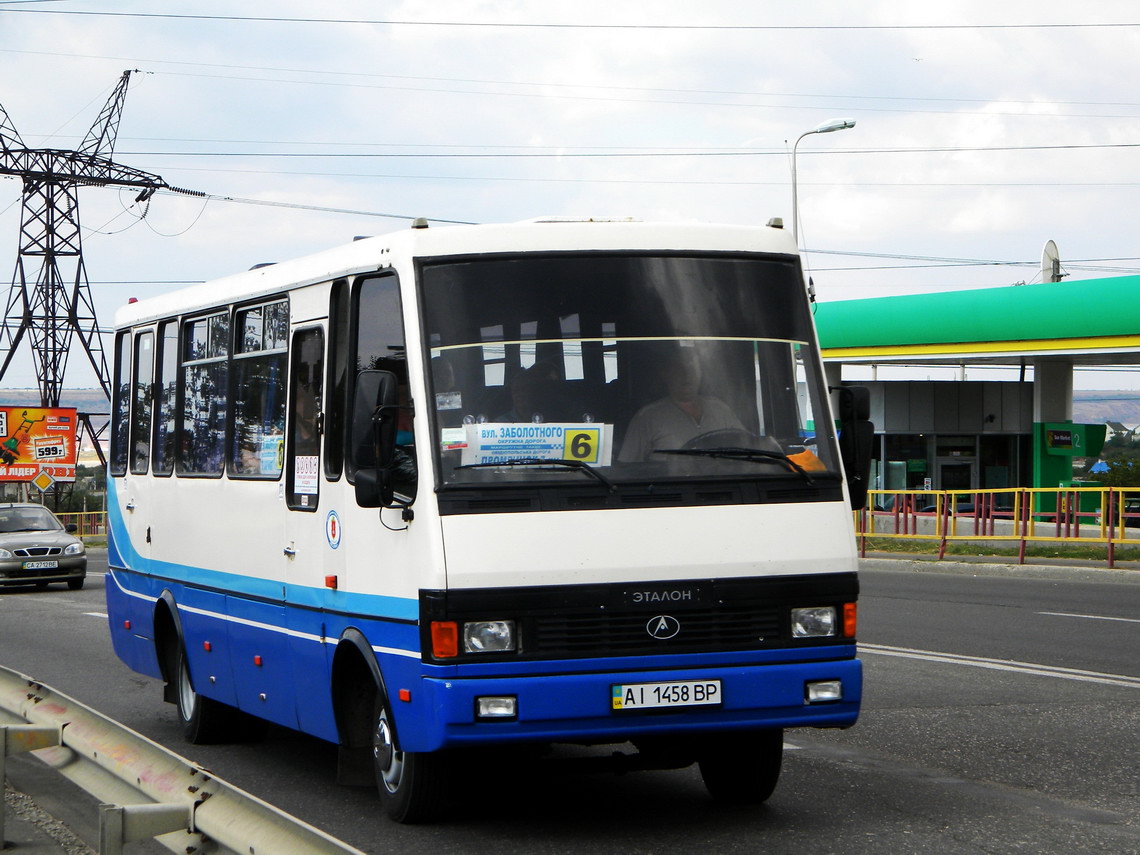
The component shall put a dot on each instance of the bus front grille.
(625, 633)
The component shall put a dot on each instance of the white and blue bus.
(492, 487)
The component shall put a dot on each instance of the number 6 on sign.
(582, 444)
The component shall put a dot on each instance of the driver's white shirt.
(663, 424)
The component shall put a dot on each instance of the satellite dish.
(1050, 263)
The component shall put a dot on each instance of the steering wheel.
(722, 437)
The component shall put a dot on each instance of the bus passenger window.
(121, 409)
(140, 424)
(165, 408)
(205, 398)
(305, 420)
(258, 442)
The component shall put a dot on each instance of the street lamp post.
(827, 127)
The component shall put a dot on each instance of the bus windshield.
(635, 366)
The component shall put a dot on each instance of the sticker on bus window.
(453, 439)
(449, 400)
(496, 442)
(306, 475)
(271, 455)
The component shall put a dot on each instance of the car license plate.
(40, 565)
(644, 696)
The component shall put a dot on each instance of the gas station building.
(972, 435)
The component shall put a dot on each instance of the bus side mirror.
(856, 440)
(374, 419)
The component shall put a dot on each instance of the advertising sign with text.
(35, 441)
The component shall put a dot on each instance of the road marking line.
(96, 614)
(1090, 617)
(1005, 665)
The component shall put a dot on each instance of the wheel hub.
(388, 759)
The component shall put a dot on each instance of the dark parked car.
(36, 548)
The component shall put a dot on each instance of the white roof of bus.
(374, 253)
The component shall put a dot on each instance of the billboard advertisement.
(38, 444)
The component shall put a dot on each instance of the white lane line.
(1090, 617)
(96, 614)
(1004, 665)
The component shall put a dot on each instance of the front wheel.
(742, 769)
(411, 784)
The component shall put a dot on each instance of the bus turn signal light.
(850, 619)
(444, 639)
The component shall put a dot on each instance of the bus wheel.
(411, 784)
(743, 768)
(204, 720)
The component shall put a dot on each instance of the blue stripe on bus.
(122, 554)
(282, 617)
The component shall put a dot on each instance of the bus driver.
(682, 414)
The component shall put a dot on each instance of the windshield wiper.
(755, 455)
(538, 461)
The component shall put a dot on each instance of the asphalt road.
(1001, 715)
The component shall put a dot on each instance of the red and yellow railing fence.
(1016, 515)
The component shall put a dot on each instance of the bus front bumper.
(581, 707)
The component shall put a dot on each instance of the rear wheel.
(412, 785)
(742, 769)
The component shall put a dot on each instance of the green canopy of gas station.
(1098, 319)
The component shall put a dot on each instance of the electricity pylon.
(50, 299)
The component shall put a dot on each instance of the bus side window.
(121, 409)
(143, 388)
(306, 379)
(165, 408)
(204, 395)
(257, 398)
(335, 428)
(378, 328)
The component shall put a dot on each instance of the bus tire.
(411, 784)
(204, 720)
(742, 769)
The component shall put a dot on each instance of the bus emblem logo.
(663, 626)
(333, 529)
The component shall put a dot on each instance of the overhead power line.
(578, 26)
(559, 155)
(547, 84)
(682, 102)
(301, 206)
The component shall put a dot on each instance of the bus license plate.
(40, 565)
(645, 696)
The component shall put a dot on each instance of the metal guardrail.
(148, 790)
(1018, 516)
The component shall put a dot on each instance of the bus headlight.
(813, 622)
(489, 636)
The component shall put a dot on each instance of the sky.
(982, 131)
